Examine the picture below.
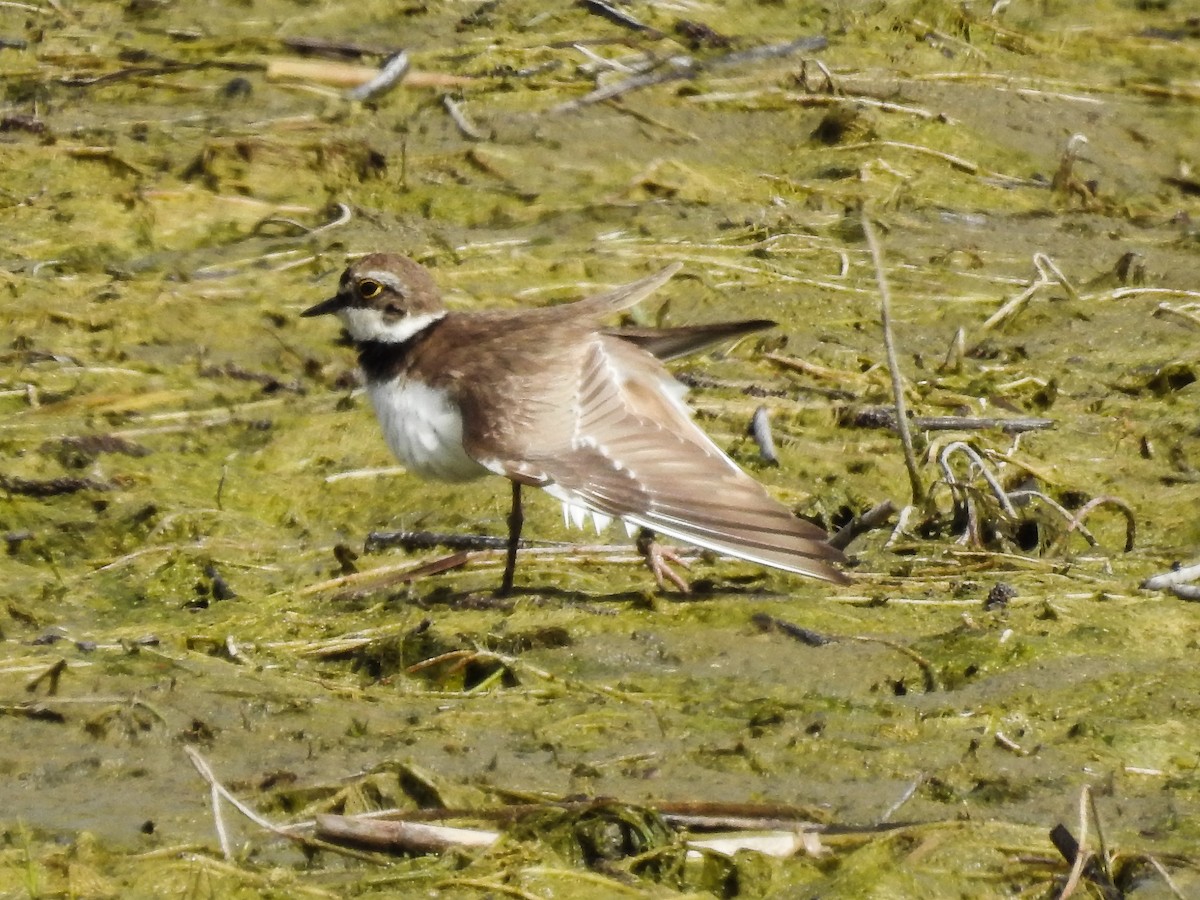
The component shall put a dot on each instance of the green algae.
(162, 231)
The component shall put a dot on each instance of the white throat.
(365, 324)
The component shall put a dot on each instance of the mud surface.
(189, 475)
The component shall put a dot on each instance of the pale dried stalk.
(889, 343)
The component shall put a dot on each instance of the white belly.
(424, 429)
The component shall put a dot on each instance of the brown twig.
(412, 541)
(51, 676)
(882, 417)
(375, 579)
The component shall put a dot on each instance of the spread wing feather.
(635, 454)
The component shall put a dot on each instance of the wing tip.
(816, 560)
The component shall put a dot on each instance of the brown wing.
(618, 298)
(634, 453)
(671, 343)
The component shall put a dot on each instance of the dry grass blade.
(385, 576)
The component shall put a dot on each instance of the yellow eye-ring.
(368, 289)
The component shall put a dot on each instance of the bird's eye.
(368, 289)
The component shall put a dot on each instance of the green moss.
(160, 239)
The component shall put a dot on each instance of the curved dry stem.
(1047, 272)
(901, 525)
(1044, 264)
(1058, 508)
(928, 673)
(1125, 509)
(972, 454)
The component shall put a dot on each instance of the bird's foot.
(659, 560)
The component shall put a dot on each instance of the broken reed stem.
(889, 343)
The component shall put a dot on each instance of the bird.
(551, 397)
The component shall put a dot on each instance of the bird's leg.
(516, 520)
(659, 559)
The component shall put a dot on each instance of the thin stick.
(904, 798)
(516, 520)
(885, 317)
(465, 126)
(929, 676)
(1081, 853)
(1158, 867)
(956, 162)
(607, 11)
(1058, 508)
(687, 67)
(882, 417)
(1105, 860)
(217, 791)
(214, 799)
(1047, 272)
